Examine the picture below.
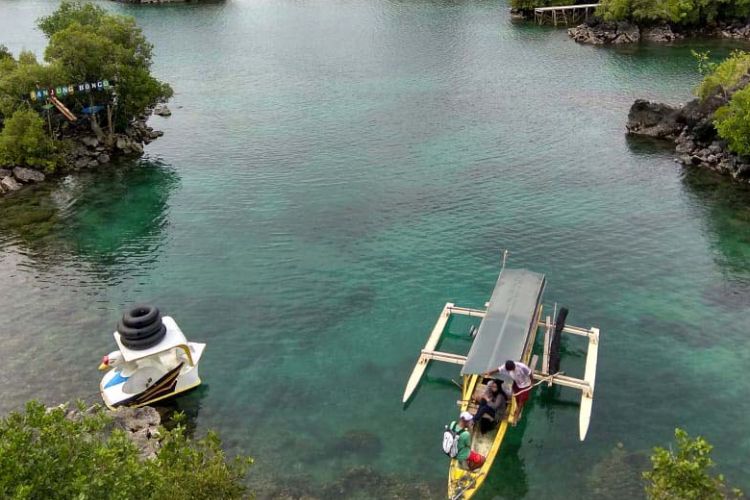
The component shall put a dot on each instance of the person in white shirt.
(521, 375)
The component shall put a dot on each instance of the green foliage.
(684, 474)
(703, 60)
(24, 142)
(94, 45)
(19, 78)
(732, 121)
(725, 75)
(86, 44)
(678, 12)
(44, 454)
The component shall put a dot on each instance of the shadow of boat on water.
(112, 219)
(188, 404)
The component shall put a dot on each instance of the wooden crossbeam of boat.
(446, 357)
(565, 381)
(576, 330)
(467, 311)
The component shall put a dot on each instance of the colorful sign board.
(64, 90)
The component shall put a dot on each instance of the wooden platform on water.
(564, 13)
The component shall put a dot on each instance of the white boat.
(154, 361)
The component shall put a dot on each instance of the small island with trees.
(86, 104)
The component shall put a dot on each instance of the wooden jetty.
(564, 13)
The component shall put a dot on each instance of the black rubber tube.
(140, 316)
(138, 333)
(554, 348)
(145, 343)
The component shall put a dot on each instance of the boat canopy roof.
(508, 322)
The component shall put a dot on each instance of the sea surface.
(335, 171)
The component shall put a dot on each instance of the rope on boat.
(542, 380)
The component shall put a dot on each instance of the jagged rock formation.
(598, 32)
(86, 151)
(141, 426)
(691, 127)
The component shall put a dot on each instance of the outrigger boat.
(507, 331)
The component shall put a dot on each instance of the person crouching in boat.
(467, 458)
(521, 375)
(491, 403)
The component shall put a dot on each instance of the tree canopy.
(93, 45)
(24, 142)
(684, 474)
(679, 12)
(46, 454)
(732, 121)
(86, 44)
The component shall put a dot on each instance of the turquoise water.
(332, 174)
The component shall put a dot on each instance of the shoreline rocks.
(605, 33)
(141, 426)
(691, 128)
(599, 32)
(84, 151)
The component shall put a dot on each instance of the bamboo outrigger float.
(507, 332)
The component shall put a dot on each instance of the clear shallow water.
(332, 174)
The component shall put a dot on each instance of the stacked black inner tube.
(141, 327)
(554, 349)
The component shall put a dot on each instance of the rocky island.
(85, 105)
(711, 131)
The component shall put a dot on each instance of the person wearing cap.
(467, 458)
(521, 375)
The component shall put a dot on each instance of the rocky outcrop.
(654, 120)
(24, 174)
(600, 33)
(85, 151)
(691, 127)
(9, 184)
(162, 110)
(736, 31)
(660, 34)
(140, 425)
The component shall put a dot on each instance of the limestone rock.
(653, 119)
(24, 174)
(141, 425)
(4, 172)
(103, 158)
(162, 110)
(10, 184)
(660, 34)
(599, 33)
(91, 142)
